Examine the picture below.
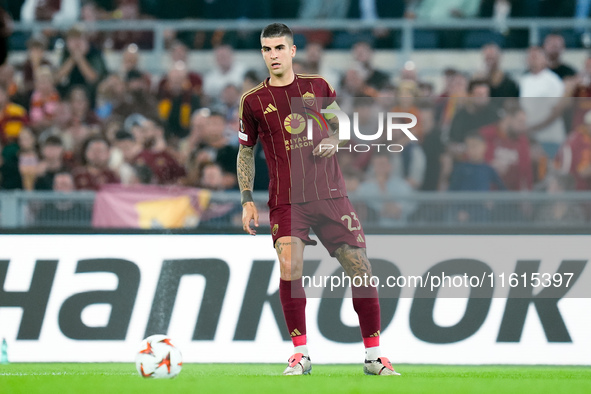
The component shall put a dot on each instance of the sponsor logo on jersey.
(294, 123)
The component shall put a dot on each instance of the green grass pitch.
(266, 378)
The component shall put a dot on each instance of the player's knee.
(289, 268)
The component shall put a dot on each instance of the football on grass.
(158, 358)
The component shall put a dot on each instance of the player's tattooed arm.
(353, 260)
(245, 171)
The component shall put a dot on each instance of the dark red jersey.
(163, 165)
(511, 157)
(575, 156)
(92, 179)
(278, 116)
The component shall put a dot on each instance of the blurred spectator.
(437, 10)
(411, 161)
(554, 48)
(251, 80)
(110, 94)
(52, 162)
(212, 177)
(196, 134)
(386, 185)
(367, 124)
(44, 100)
(314, 63)
(27, 158)
(450, 102)
(409, 72)
(5, 32)
(226, 72)
(90, 13)
(474, 174)
(156, 155)
(82, 114)
(508, 150)
(215, 145)
(10, 177)
(130, 61)
(541, 93)
(13, 118)
(81, 64)
(56, 11)
(95, 170)
(123, 153)
(56, 213)
(582, 94)
(449, 75)
(433, 148)
(35, 59)
(230, 102)
(299, 66)
(130, 11)
(574, 157)
(363, 54)
(8, 79)
(477, 112)
(353, 86)
(179, 53)
(177, 106)
(560, 212)
(137, 98)
(501, 84)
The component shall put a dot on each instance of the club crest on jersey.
(294, 123)
(309, 98)
(275, 229)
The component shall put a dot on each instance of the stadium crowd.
(226, 11)
(78, 125)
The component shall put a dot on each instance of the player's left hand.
(327, 147)
(249, 213)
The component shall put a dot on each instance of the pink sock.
(293, 302)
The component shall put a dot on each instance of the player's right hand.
(249, 212)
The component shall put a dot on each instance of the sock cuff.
(300, 340)
(371, 342)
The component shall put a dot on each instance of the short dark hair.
(53, 140)
(277, 30)
(122, 135)
(477, 82)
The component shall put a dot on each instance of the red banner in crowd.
(149, 206)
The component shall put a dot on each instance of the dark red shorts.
(334, 221)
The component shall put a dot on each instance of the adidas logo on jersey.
(360, 238)
(270, 108)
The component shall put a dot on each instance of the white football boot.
(381, 366)
(298, 364)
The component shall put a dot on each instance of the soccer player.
(306, 190)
